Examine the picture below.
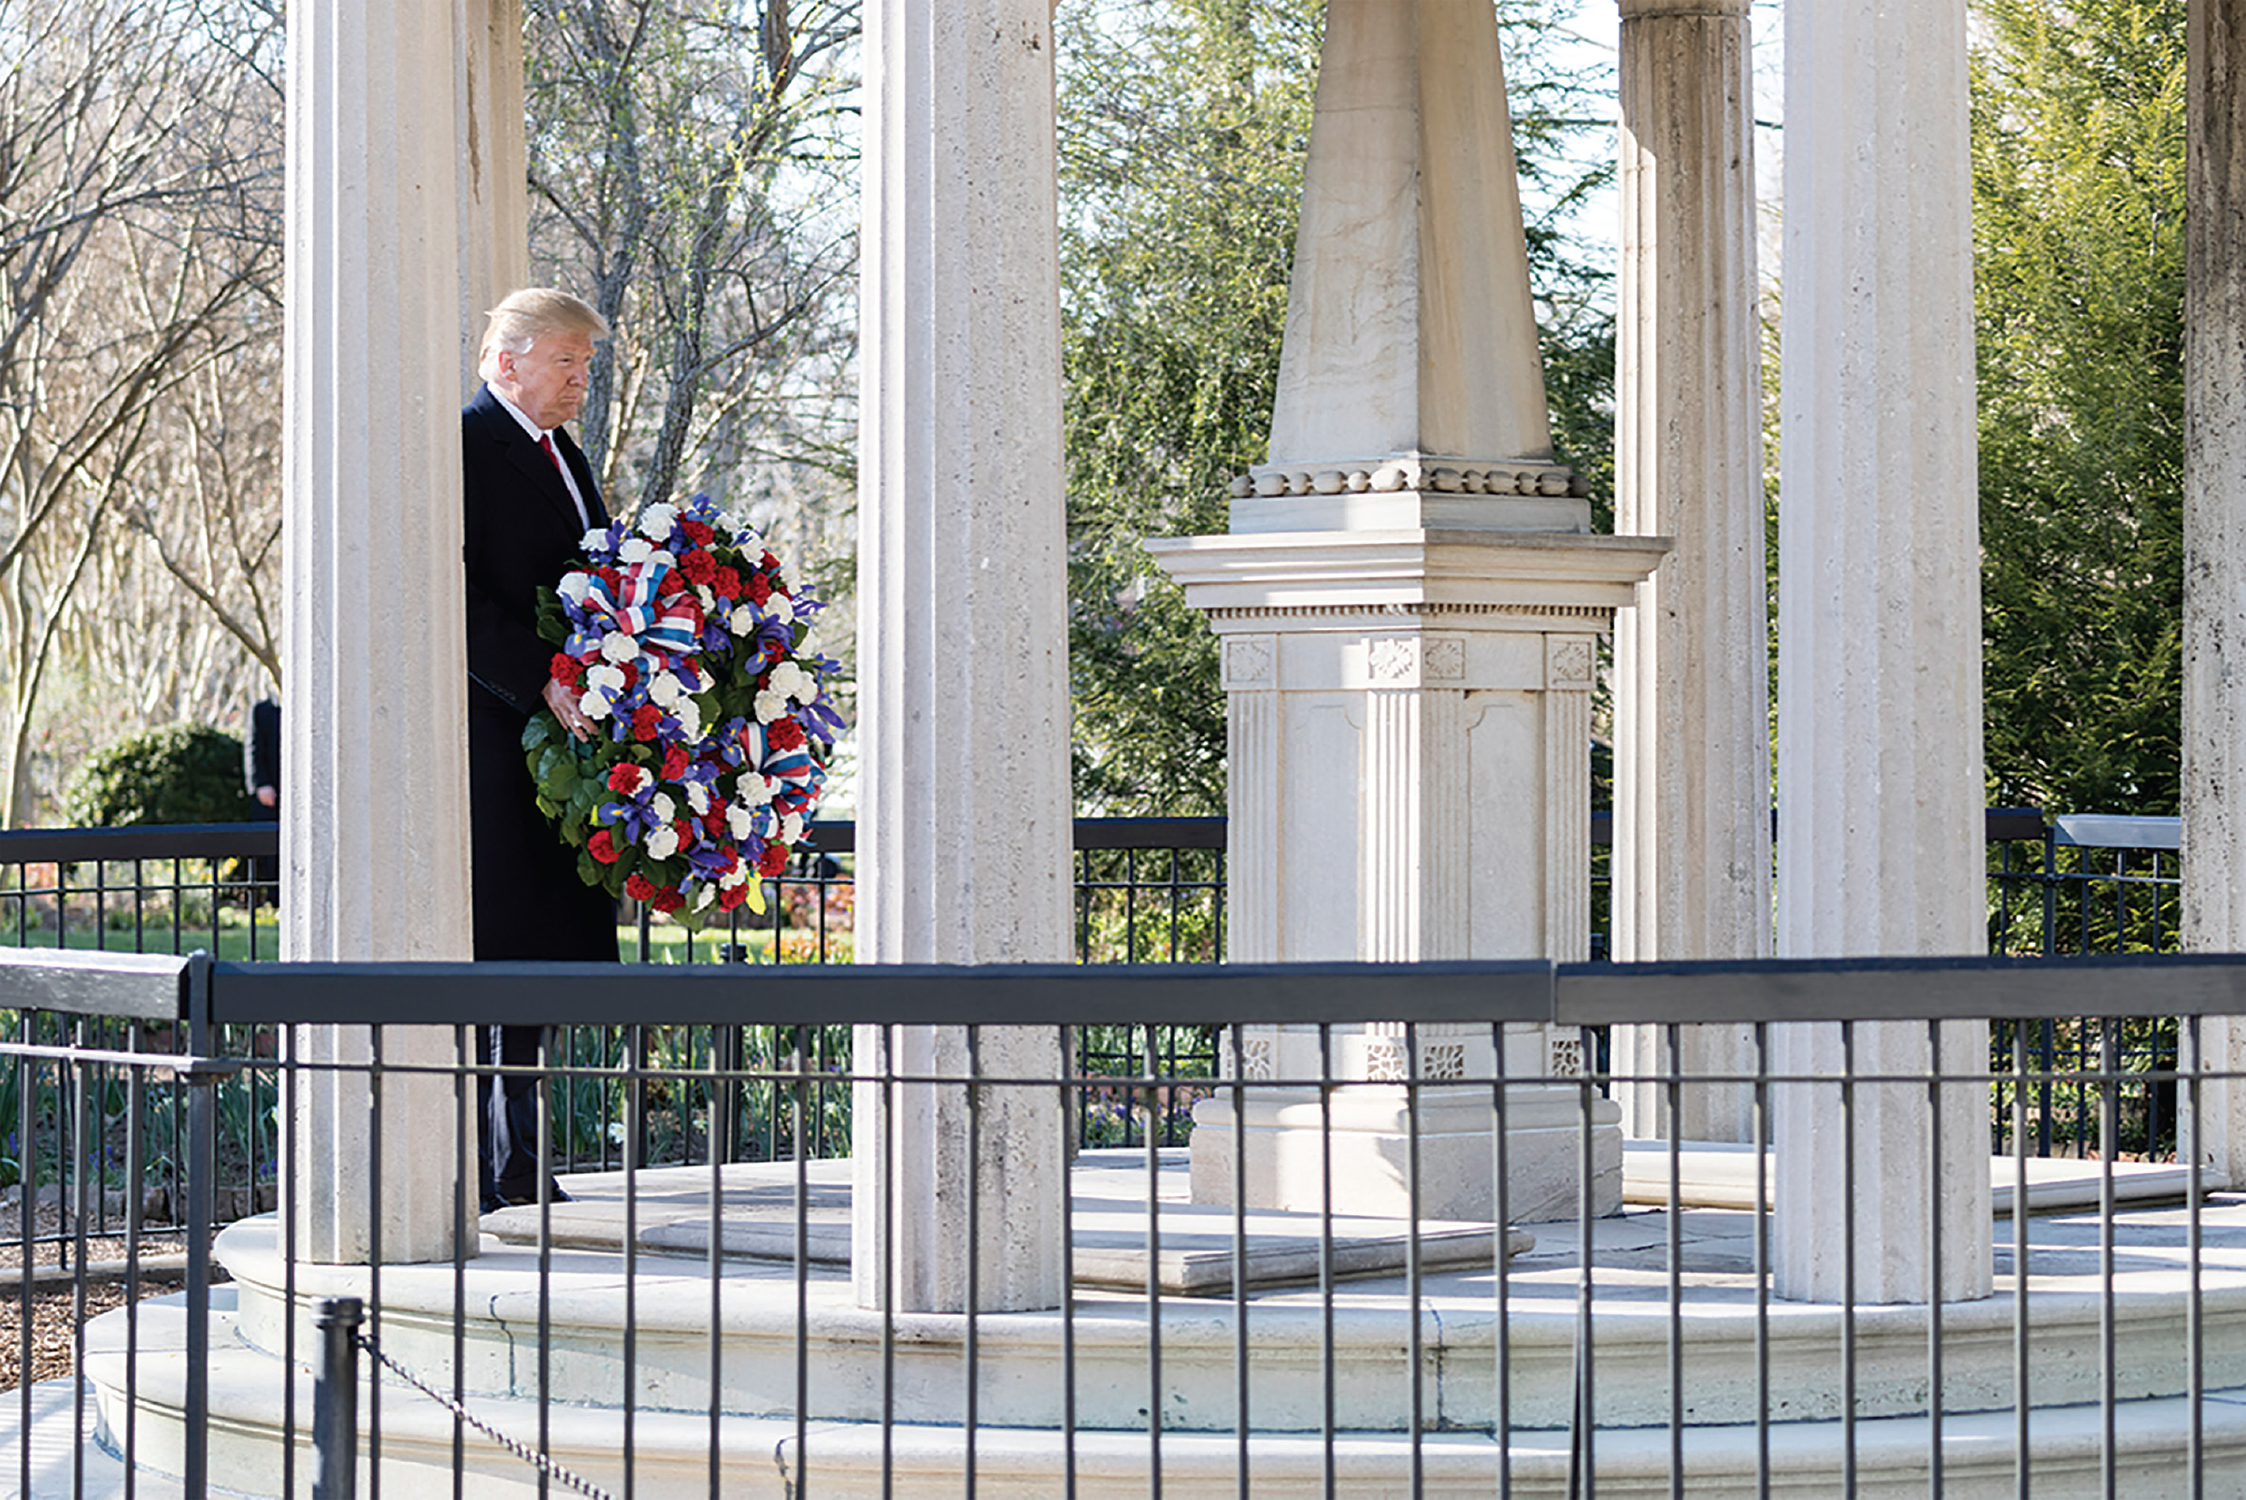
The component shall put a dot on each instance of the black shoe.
(525, 1194)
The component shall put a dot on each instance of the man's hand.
(564, 704)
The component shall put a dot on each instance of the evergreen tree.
(2078, 179)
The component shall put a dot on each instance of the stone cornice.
(1375, 570)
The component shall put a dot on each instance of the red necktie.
(546, 441)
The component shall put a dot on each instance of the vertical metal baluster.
(1326, 1368)
(2195, 1327)
(714, 1268)
(1585, 1445)
(202, 1157)
(1501, 1417)
(465, 1223)
(1934, 1260)
(1762, 1260)
(27, 1197)
(2021, 1266)
(802, 1264)
(1848, 1256)
(1672, 1088)
(885, 1078)
(84, 1164)
(1072, 1105)
(135, 1184)
(973, 1349)
(1414, 1337)
(1153, 1163)
(2109, 1459)
(374, 1261)
(1240, 1417)
(635, 1096)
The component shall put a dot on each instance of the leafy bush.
(182, 773)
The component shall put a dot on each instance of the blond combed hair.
(522, 316)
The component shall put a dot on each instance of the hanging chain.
(523, 1451)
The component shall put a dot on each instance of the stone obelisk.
(1409, 602)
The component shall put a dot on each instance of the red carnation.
(624, 778)
(675, 762)
(668, 899)
(602, 846)
(566, 670)
(769, 563)
(760, 589)
(609, 576)
(774, 860)
(713, 821)
(731, 896)
(784, 734)
(684, 830)
(697, 532)
(727, 584)
(647, 722)
(639, 887)
(699, 567)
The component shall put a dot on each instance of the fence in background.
(1148, 890)
(1644, 1354)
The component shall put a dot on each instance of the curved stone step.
(762, 1457)
(1024, 1370)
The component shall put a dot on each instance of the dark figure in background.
(530, 498)
(261, 774)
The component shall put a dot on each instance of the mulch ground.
(55, 1310)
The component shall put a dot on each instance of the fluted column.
(375, 822)
(1692, 874)
(494, 171)
(964, 815)
(1880, 845)
(2214, 724)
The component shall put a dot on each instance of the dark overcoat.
(522, 532)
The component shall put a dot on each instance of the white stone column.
(493, 160)
(1692, 875)
(964, 811)
(2214, 726)
(1880, 844)
(375, 822)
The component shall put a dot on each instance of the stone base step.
(763, 1457)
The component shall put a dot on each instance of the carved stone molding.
(1249, 660)
(1410, 660)
(1571, 663)
(1441, 476)
(1600, 615)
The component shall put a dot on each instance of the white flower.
(745, 619)
(789, 679)
(791, 829)
(595, 540)
(595, 703)
(770, 705)
(656, 522)
(606, 676)
(780, 606)
(636, 550)
(617, 646)
(663, 690)
(663, 807)
(705, 598)
(735, 878)
(575, 586)
(704, 896)
(662, 843)
(698, 798)
(689, 716)
(754, 791)
(737, 820)
(640, 777)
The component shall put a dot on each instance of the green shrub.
(182, 773)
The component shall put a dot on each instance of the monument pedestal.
(1410, 735)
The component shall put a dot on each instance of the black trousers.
(507, 1165)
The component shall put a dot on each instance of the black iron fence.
(1148, 891)
(1346, 1330)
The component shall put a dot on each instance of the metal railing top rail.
(1767, 990)
(40, 846)
(2117, 831)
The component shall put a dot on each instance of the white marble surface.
(1692, 856)
(374, 826)
(1880, 789)
(964, 819)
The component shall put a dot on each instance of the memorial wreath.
(683, 642)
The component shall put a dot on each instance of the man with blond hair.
(530, 497)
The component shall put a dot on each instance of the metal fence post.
(335, 1399)
(201, 1164)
